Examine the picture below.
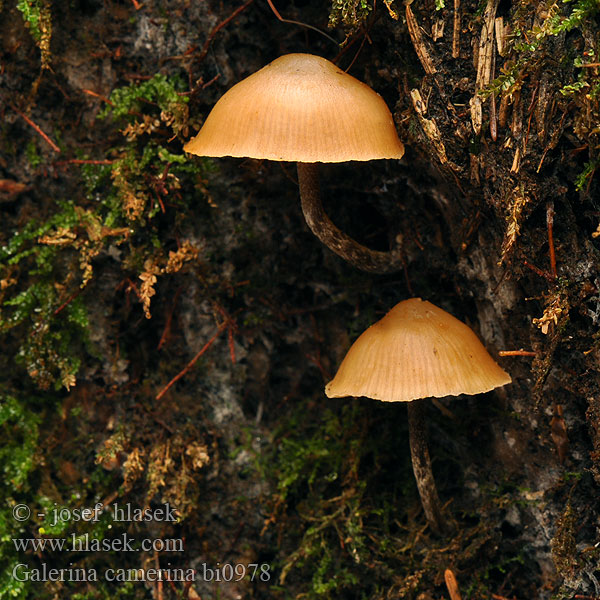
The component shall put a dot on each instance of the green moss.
(124, 200)
(32, 153)
(53, 316)
(583, 180)
(129, 100)
(37, 18)
(19, 433)
(19, 428)
(350, 13)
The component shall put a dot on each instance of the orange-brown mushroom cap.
(417, 350)
(299, 108)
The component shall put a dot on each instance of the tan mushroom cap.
(416, 351)
(299, 108)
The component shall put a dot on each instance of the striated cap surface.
(299, 108)
(416, 351)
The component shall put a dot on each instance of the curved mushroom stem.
(343, 245)
(417, 435)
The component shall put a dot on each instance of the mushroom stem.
(343, 245)
(417, 435)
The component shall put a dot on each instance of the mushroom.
(303, 108)
(417, 351)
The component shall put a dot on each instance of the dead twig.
(291, 22)
(96, 95)
(67, 302)
(538, 271)
(452, 585)
(231, 327)
(194, 360)
(486, 46)
(167, 330)
(37, 128)
(362, 43)
(485, 63)
(8, 186)
(516, 353)
(550, 224)
(154, 417)
(220, 26)
(493, 118)
(83, 161)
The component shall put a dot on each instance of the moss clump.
(38, 19)
(19, 433)
(350, 13)
(119, 213)
(31, 300)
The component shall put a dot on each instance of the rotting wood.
(516, 163)
(501, 35)
(475, 49)
(476, 113)
(503, 111)
(414, 30)
(485, 62)
(493, 118)
(456, 30)
(429, 126)
(486, 46)
(474, 164)
(437, 29)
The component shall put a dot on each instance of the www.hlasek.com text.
(87, 543)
